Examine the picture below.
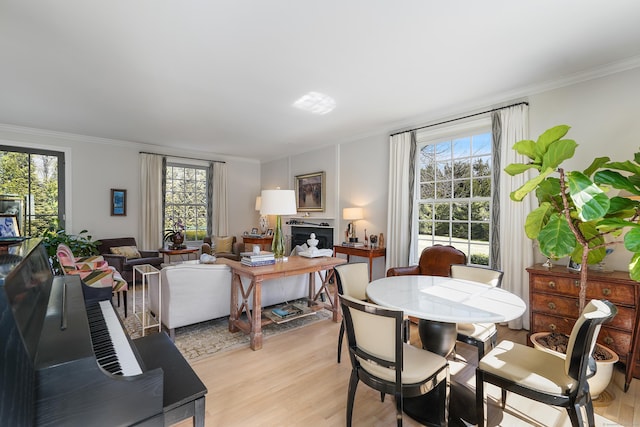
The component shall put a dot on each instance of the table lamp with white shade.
(263, 222)
(278, 202)
(352, 214)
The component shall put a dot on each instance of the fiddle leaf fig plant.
(575, 210)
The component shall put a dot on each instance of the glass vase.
(277, 246)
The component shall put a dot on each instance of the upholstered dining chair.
(546, 377)
(477, 334)
(352, 280)
(435, 260)
(381, 359)
(101, 279)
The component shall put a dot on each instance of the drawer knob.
(551, 306)
(553, 327)
(606, 292)
(576, 283)
(552, 284)
(608, 340)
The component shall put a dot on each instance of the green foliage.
(479, 259)
(81, 244)
(575, 212)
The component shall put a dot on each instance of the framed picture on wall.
(310, 192)
(11, 204)
(118, 202)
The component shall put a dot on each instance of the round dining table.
(440, 303)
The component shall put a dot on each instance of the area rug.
(204, 339)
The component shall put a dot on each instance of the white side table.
(145, 317)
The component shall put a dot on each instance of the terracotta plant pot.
(604, 368)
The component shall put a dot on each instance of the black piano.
(67, 362)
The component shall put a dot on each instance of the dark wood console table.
(365, 252)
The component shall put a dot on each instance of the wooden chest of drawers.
(553, 303)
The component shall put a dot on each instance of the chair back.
(436, 260)
(579, 363)
(353, 280)
(477, 274)
(374, 334)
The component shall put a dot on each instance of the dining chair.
(546, 377)
(382, 360)
(352, 280)
(95, 273)
(434, 261)
(477, 334)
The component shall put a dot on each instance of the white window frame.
(183, 163)
(433, 136)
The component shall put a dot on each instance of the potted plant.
(577, 210)
(175, 235)
(81, 244)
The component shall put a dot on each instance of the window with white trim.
(454, 190)
(186, 199)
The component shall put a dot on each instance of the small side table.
(145, 317)
(363, 251)
(264, 242)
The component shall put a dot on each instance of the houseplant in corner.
(579, 214)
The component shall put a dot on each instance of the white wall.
(604, 120)
(95, 166)
(602, 112)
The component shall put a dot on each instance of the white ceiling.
(221, 75)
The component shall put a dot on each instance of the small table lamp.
(278, 202)
(263, 222)
(352, 214)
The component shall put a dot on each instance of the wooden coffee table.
(168, 253)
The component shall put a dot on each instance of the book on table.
(257, 256)
(287, 311)
(257, 263)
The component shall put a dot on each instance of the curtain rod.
(462, 118)
(182, 157)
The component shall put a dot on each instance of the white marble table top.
(444, 299)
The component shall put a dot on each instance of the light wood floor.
(295, 381)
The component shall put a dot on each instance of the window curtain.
(399, 241)
(218, 219)
(152, 168)
(515, 250)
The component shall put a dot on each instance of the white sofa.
(193, 293)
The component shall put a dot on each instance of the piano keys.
(65, 363)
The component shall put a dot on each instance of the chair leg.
(351, 394)
(124, 297)
(480, 345)
(340, 336)
(382, 396)
(480, 398)
(503, 394)
(399, 409)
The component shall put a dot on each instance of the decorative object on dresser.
(278, 202)
(310, 191)
(576, 217)
(553, 307)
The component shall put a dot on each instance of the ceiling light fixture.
(316, 103)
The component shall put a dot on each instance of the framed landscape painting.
(310, 192)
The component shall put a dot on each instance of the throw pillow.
(126, 251)
(223, 244)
